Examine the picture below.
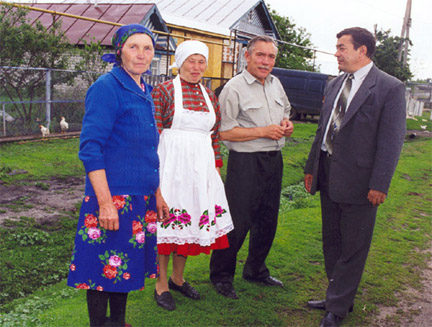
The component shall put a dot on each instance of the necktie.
(338, 114)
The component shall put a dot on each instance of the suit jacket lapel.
(360, 97)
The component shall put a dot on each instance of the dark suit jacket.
(369, 141)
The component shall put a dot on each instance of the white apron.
(189, 181)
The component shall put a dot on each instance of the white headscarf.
(188, 48)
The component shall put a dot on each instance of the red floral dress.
(115, 261)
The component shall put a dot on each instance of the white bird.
(423, 126)
(44, 130)
(63, 125)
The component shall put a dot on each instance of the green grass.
(403, 231)
(40, 159)
(424, 120)
(296, 152)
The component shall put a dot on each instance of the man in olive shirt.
(255, 111)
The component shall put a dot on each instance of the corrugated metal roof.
(77, 30)
(217, 16)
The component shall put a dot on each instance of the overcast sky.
(323, 19)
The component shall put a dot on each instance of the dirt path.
(48, 200)
(42, 200)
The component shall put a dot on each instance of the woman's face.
(193, 68)
(137, 54)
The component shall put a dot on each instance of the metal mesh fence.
(30, 97)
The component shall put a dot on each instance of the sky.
(323, 19)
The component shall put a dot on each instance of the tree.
(91, 64)
(290, 56)
(25, 45)
(386, 56)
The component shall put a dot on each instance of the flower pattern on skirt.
(178, 219)
(205, 221)
(142, 228)
(115, 261)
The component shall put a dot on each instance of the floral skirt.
(115, 261)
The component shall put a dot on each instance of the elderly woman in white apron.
(188, 117)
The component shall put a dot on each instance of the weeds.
(33, 255)
(24, 312)
(295, 197)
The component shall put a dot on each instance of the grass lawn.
(40, 159)
(421, 123)
(402, 233)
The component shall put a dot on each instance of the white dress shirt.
(357, 81)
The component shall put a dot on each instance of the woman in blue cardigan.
(115, 244)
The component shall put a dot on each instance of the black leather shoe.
(186, 289)
(321, 305)
(272, 281)
(165, 300)
(226, 289)
(331, 320)
(269, 280)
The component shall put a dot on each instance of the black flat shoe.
(331, 320)
(321, 305)
(165, 300)
(186, 289)
(226, 289)
(269, 281)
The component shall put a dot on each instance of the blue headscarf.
(119, 39)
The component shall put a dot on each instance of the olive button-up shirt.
(247, 103)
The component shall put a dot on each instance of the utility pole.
(403, 47)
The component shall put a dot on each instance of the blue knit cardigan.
(119, 135)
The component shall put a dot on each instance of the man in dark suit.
(352, 160)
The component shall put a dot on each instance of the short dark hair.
(262, 38)
(360, 36)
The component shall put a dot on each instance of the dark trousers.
(253, 187)
(97, 303)
(347, 234)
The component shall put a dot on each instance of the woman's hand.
(161, 207)
(108, 216)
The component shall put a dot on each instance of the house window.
(155, 66)
(250, 17)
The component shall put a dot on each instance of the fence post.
(48, 97)
(4, 119)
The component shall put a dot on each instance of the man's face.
(349, 59)
(261, 60)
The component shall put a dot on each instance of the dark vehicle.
(305, 90)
